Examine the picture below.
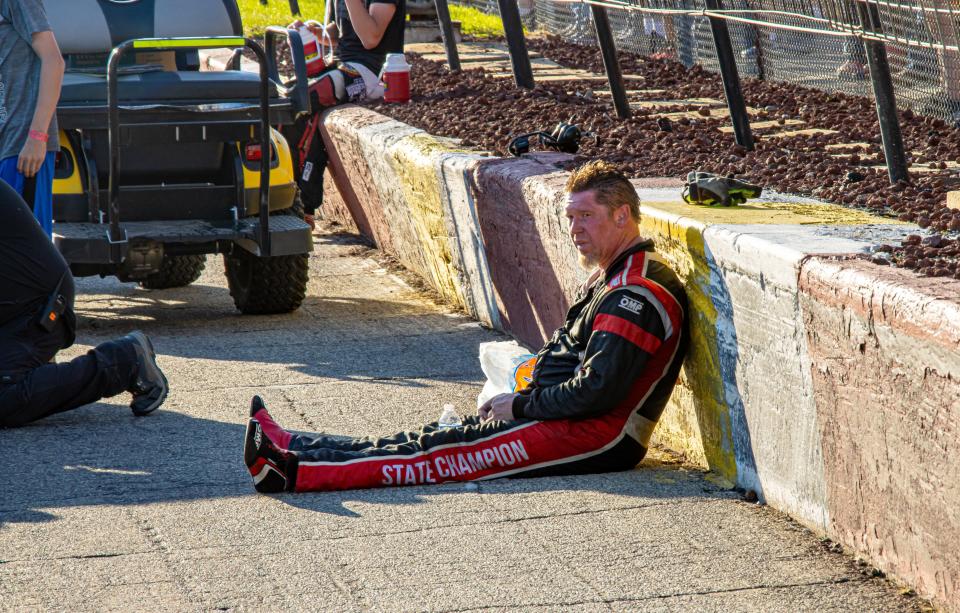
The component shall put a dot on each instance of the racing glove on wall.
(710, 189)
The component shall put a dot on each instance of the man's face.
(593, 228)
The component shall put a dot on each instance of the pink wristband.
(43, 137)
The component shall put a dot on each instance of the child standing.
(31, 72)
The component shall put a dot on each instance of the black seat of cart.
(160, 87)
(88, 30)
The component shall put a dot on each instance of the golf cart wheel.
(264, 285)
(176, 271)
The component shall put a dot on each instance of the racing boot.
(149, 386)
(279, 436)
(256, 405)
(273, 469)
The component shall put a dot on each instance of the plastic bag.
(508, 368)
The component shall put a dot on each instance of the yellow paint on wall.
(413, 160)
(768, 213)
(697, 420)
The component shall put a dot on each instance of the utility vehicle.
(161, 162)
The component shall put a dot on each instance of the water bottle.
(449, 417)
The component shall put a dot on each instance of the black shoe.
(149, 388)
(256, 405)
(273, 470)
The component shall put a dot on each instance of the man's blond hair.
(610, 186)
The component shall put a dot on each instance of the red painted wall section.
(883, 346)
(532, 263)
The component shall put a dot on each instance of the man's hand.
(31, 157)
(319, 30)
(498, 408)
(314, 26)
(311, 221)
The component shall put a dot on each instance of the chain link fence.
(813, 43)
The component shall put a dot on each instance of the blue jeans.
(42, 204)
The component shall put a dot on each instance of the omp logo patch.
(257, 437)
(634, 306)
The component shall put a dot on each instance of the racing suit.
(599, 387)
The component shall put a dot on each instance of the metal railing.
(814, 43)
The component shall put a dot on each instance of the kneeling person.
(37, 321)
(599, 384)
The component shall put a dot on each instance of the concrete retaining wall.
(827, 384)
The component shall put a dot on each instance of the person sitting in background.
(37, 321)
(362, 33)
(598, 385)
(31, 71)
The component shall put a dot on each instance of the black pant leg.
(310, 155)
(306, 443)
(445, 454)
(104, 371)
(324, 448)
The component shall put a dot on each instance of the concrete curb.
(827, 384)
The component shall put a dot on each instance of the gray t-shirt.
(20, 74)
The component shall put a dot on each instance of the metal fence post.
(448, 35)
(611, 65)
(513, 29)
(758, 57)
(730, 77)
(884, 97)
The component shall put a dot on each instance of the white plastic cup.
(396, 78)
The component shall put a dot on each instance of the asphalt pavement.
(103, 511)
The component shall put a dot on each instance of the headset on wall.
(564, 138)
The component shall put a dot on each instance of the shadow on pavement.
(102, 455)
(328, 337)
(650, 483)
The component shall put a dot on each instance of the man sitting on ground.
(599, 384)
(37, 321)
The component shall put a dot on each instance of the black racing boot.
(256, 405)
(149, 387)
(273, 469)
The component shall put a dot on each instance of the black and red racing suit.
(599, 387)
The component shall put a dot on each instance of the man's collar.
(642, 244)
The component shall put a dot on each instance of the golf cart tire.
(176, 271)
(266, 285)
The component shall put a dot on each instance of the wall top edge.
(925, 307)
